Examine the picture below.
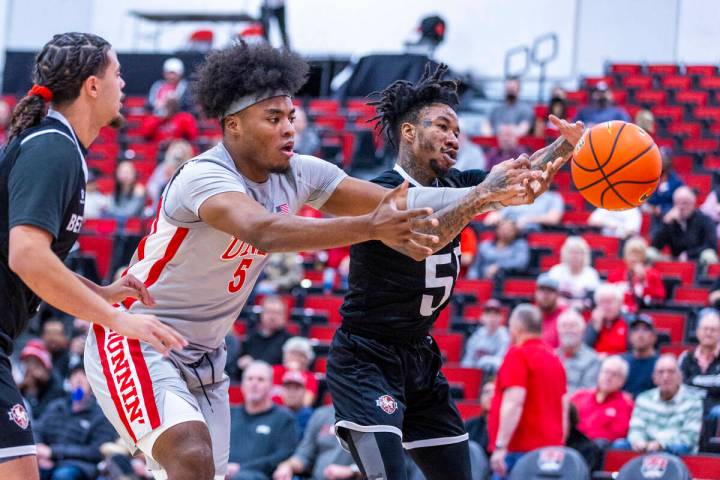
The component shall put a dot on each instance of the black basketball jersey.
(391, 296)
(42, 184)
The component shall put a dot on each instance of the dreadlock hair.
(243, 69)
(402, 101)
(62, 66)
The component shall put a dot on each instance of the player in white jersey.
(220, 216)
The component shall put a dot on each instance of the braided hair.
(402, 101)
(63, 64)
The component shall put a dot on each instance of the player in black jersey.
(42, 196)
(384, 367)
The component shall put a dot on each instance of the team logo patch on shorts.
(653, 466)
(387, 403)
(19, 415)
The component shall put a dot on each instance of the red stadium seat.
(671, 322)
(101, 247)
(672, 113)
(485, 142)
(691, 296)
(100, 226)
(469, 410)
(707, 113)
(482, 289)
(713, 270)
(549, 261)
(562, 180)
(471, 379)
(684, 130)
(239, 328)
(327, 303)
(615, 459)
(675, 348)
(575, 218)
(105, 185)
(450, 344)
(443, 320)
(609, 246)
(335, 123)
(235, 393)
(320, 365)
(663, 69)
(605, 265)
(701, 146)
(322, 333)
(639, 82)
(575, 201)
(702, 183)
(533, 143)
(590, 82)
(550, 240)
(626, 68)
(519, 288)
(651, 97)
(685, 271)
(703, 467)
(709, 83)
(323, 106)
(692, 98)
(683, 164)
(701, 70)
(676, 82)
(293, 329)
(579, 97)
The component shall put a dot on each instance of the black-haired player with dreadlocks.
(384, 367)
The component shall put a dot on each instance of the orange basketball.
(616, 165)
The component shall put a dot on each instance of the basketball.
(616, 165)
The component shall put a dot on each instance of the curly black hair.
(402, 101)
(243, 69)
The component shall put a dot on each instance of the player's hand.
(232, 469)
(497, 461)
(148, 328)
(398, 229)
(510, 182)
(569, 131)
(127, 286)
(338, 472)
(283, 472)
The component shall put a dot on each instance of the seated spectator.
(293, 396)
(508, 139)
(319, 453)
(700, 367)
(604, 411)
(505, 254)
(575, 274)
(607, 330)
(307, 139)
(661, 201)
(527, 409)
(128, 199)
(56, 342)
(646, 120)
(40, 385)
(177, 153)
(477, 426)
(711, 206)
(641, 283)
(546, 211)
(512, 111)
(487, 345)
(173, 125)
(70, 432)
(601, 108)
(642, 355)
(282, 273)
(96, 202)
(266, 342)
(558, 107)
(580, 361)
(619, 224)
(547, 297)
(262, 434)
(5, 116)
(172, 86)
(688, 232)
(667, 418)
(298, 355)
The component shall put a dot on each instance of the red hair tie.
(42, 92)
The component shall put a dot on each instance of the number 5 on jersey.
(238, 279)
(433, 281)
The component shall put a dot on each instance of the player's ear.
(91, 86)
(232, 124)
(407, 132)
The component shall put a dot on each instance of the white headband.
(249, 100)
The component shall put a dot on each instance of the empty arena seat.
(651, 97)
(676, 82)
(700, 146)
(101, 247)
(691, 98)
(684, 271)
(550, 240)
(578, 97)
(100, 226)
(662, 69)
(626, 68)
(322, 333)
(707, 113)
(671, 113)
(323, 106)
(703, 467)
(639, 82)
(326, 303)
(519, 288)
(605, 265)
(609, 246)
(442, 322)
(320, 365)
(709, 83)
(701, 70)
(615, 459)
(713, 270)
(482, 289)
(450, 344)
(551, 462)
(657, 466)
(671, 322)
(574, 201)
(235, 394)
(469, 410)
(684, 130)
(691, 296)
(701, 183)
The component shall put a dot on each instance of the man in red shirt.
(607, 330)
(546, 298)
(604, 412)
(528, 410)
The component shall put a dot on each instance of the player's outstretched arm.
(31, 258)
(238, 215)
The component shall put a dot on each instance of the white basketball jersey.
(201, 277)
